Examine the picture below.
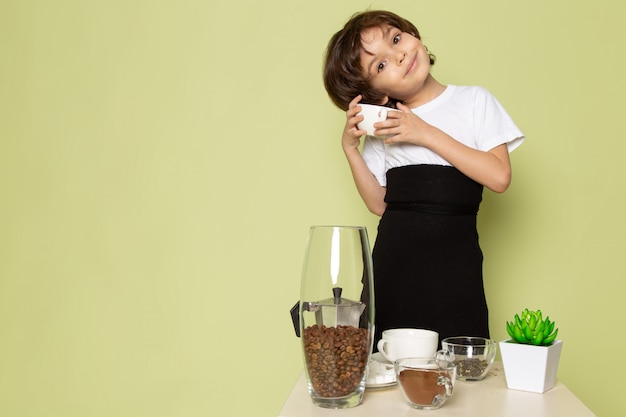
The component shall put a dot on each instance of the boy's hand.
(351, 137)
(404, 126)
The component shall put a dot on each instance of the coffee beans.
(336, 358)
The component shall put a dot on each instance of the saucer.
(381, 359)
(381, 373)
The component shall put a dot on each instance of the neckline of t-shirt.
(437, 100)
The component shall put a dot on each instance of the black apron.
(427, 260)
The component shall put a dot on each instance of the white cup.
(372, 114)
(408, 343)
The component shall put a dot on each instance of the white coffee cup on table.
(372, 113)
(408, 343)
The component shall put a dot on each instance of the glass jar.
(337, 314)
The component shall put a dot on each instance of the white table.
(487, 398)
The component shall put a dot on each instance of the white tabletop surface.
(487, 398)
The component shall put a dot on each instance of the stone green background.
(162, 161)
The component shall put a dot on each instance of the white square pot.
(530, 368)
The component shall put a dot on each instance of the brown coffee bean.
(335, 358)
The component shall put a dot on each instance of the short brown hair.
(343, 75)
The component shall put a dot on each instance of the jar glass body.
(337, 314)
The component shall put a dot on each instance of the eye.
(381, 66)
(396, 39)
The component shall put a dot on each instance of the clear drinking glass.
(337, 314)
(426, 383)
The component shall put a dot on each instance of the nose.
(400, 56)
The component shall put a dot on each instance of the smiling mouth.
(412, 64)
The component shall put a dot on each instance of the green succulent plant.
(532, 329)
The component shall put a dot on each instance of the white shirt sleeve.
(374, 156)
(494, 125)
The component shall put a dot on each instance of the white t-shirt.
(471, 115)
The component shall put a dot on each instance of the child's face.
(394, 62)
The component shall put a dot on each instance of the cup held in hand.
(372, 114)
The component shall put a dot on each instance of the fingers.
(353, 107)
(393, 128)
(355, 101)
(353, 118)
(352, 112)
(396, 115)
(402, 107)
(391, 139)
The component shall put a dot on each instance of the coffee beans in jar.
(336, 358)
